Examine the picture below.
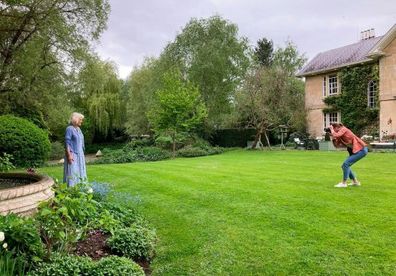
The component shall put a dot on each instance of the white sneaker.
(341, 185)
(354, 184)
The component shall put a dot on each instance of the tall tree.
(178, 109)
(101, 95)
(271, 96)
(62, 27)
(264, 52)
(141, 86)
(210, 53)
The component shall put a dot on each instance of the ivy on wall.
(352, 102)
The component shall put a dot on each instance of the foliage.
(115, 265)
(11, 265)
(140, 154)
(101, 94)
(270, 98)
(194, 151)
(288, 59)
(64, 265)
(75, 265)
(57, 150)
(48, 32)
(28, 144)
(210, 54)
(135, 242)
(42, 45)
(141, 86)
(352, 102)
(138, 143)
(64, 218)
(5, 162)
(179, 108)
(22, 237)
(264, 52)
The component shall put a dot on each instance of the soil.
(95, 247)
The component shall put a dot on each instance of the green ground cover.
(264, 212)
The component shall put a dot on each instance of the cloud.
(138, 29)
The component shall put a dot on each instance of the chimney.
(367, 34)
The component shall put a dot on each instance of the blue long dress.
(75, 172)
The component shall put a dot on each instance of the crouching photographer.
(344, 137)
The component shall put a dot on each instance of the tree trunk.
(257, 137)
(267, 139)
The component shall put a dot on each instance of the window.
(333, 87)
(330, 85)
(371, 94)
(332, 117)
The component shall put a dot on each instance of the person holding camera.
(357, 148)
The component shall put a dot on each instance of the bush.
(138, 143)
(135, 242)
(191, 151)
(115, 265)
(28, 144)
(64, 265)
(139, 154)
(57, 150)
(22, 237)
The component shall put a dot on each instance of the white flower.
(90, 191)
(2, 237)
(5, 245)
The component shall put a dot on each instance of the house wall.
(387, 90)
(314, 104)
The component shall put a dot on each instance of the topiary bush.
(28, 144)
(115, 265)
(64, 265)
(135, 242)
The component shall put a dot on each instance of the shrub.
(139, 154)
(28, 144)
(57, 150)
(191, 151)
(64, 265)
(115, 265)
(135, 242)
(22, 237)
(138, 143)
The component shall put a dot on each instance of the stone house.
(322, 80)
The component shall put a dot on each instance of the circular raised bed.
(20, 193)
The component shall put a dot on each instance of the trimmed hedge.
(28, 144)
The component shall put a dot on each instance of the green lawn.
(264, 212)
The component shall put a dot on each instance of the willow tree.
(100, 94)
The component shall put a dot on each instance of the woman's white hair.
(75, 116)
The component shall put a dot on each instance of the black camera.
(327, 129)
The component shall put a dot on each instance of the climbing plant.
(352, 102)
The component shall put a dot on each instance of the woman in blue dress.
(74, 165)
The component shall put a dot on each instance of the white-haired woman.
(74, 166)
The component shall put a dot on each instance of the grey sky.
(137, 29)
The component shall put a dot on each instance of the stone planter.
(20, 193)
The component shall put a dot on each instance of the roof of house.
(361, 52)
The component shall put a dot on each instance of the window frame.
(371, 94)
(330, 85)
(331, 117)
